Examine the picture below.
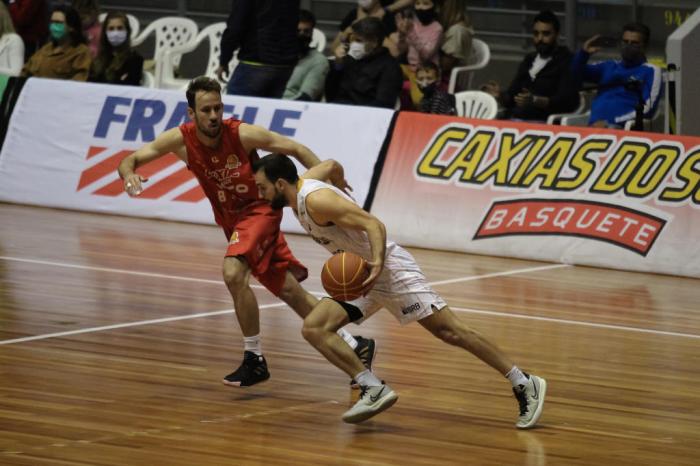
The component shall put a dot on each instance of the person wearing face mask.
(543, 83)
(434, 100)
(309, 76)
(117, 62)
(621, 83)
(380, 9)
(65, 56)
(364, 72)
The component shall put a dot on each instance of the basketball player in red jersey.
(220, 153)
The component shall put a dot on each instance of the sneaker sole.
(238, 384)
(384, 404)
(353, 383)
(540, 406)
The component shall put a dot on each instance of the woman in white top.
(11, 45)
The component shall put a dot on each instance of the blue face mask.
(57, 30)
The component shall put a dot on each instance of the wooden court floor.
(116, 332)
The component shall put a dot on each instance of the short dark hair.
(201, 83)
(370, 28)
(305, 16)
(429, 66)
(642, 29)
(547, 16)
(276, 166)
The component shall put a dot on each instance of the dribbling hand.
(375, 268)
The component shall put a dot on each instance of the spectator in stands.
(89, 11)
(364, 72)
(30, 20)
(543, 83)
(116, 62)
(365, 9)
(11, 45)
(65, 56)
(621, 83)
(309, 76)
(435, 100)
(456, 47)
(265, 34)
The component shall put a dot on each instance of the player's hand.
(222, 73)
(132, 184)
(375, 268)
(343, 185)
(588, 48)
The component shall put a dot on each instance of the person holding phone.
(622, 84)
(543, 84)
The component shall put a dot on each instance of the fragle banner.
(66, 140)
(579, 195)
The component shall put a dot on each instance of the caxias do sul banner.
(607, 198)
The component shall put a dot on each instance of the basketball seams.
(337, 287)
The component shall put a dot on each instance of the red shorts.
(257, 237)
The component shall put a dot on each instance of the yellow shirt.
(62, 62)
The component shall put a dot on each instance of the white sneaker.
(531, 400)
(373, 400)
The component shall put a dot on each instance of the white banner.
(574, 195)
(66, 140)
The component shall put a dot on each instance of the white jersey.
(401, 287)
(333, 237)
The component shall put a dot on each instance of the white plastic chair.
(480, 58)
(583, 103)
(170, 31)
(213, 34)
(318, 40)
(133, 23)
(476, 104)
(147, 79)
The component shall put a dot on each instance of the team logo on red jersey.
(215, 159)
(232, 162)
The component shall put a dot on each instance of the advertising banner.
(66, 140)
(606, 198)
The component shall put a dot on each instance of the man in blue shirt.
(620, 82)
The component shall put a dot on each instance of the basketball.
(343, 274)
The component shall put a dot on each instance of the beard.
(209, 131)
(278, 202)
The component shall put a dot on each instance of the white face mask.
(117, 37)
(357, 50)
(365, 4)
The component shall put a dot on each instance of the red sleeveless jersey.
(225, 174)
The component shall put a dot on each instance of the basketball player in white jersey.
(395, 282)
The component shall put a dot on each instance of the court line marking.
(213, 313)
(576, 322)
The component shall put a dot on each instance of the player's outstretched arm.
(169, 141)
(326, 206)
(329, 171)
(256, 137)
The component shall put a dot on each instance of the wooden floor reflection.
(115, 333)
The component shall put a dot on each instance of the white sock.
(349, 339)
(367, 379)
(253, 344)
(516, 377)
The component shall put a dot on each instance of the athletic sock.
(516, 377)
(252, 344)
(367, 379)
(349, 339)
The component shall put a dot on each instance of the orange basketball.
(343, 274)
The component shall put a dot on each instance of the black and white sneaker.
(253, 370)
(531, 400)
(373, 400)
(366, 350)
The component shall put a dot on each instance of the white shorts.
(402, 289)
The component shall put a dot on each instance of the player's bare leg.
(320, 330)
(529, 390)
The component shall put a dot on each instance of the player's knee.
(449, 335)
(312, 331)
(235, 274)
